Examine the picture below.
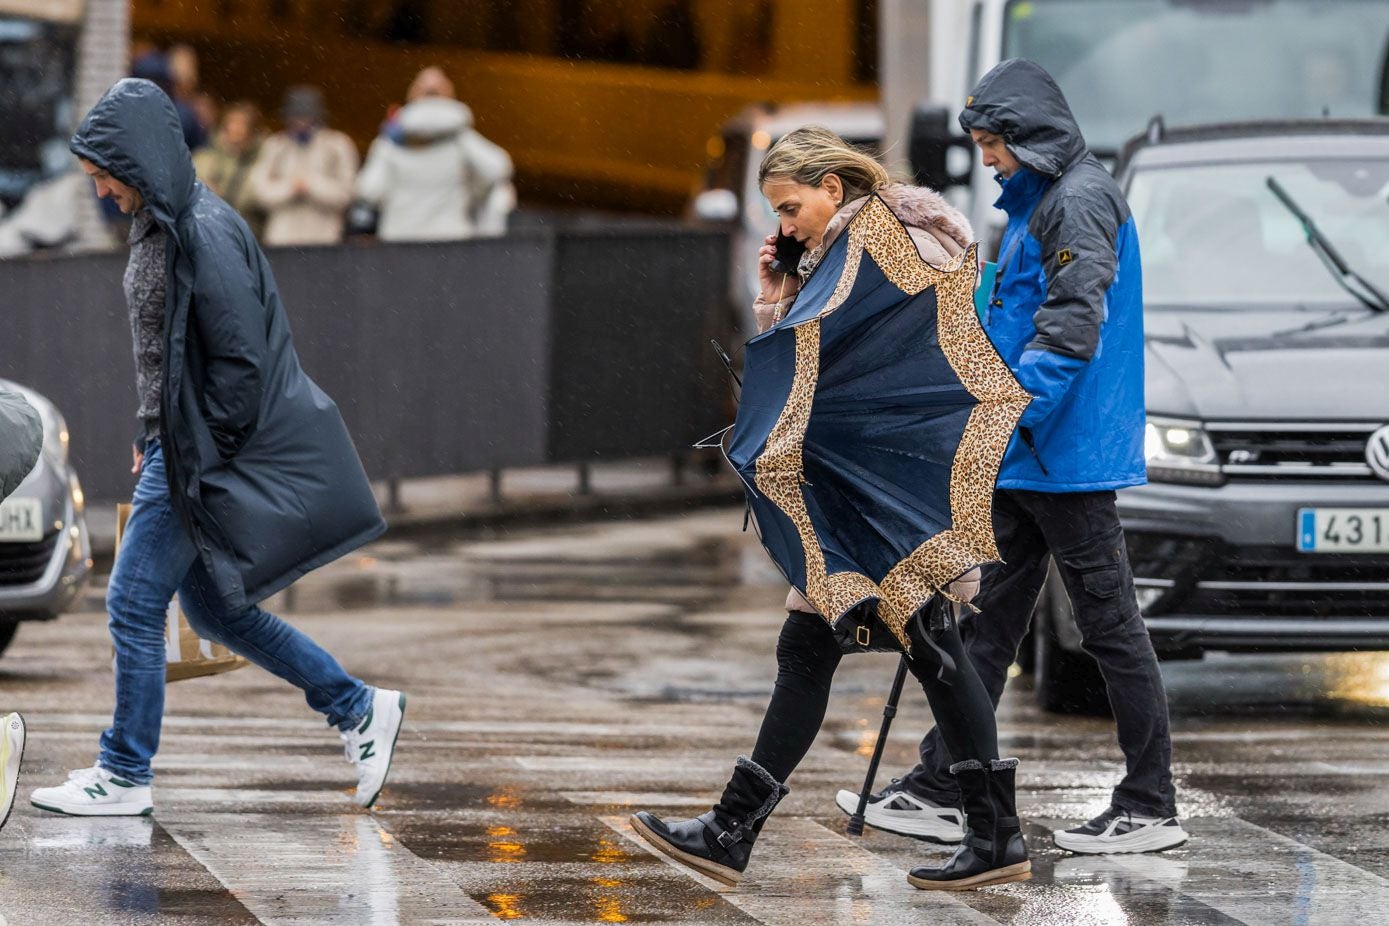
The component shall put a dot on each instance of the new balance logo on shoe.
(95, 792)
(373, 756)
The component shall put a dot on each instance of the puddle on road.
(403, 574)
(529, 838)
(422, 796)
(601, 899)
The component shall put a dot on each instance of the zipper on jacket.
(1026, 435)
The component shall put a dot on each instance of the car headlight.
(55, 427)
(1180, 451)
(55, 434)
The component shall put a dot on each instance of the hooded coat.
(21, 440)
(1067, 311)
(261, 468)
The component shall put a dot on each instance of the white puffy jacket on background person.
(441, 181)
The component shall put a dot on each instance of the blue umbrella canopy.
(872, 424)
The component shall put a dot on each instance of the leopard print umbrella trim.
(969, 541)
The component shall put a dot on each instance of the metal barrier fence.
(543, 347)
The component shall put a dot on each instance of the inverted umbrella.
(871, 427)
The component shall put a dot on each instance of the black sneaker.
(897, 810)
(1118, 830)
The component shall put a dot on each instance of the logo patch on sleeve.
(1064, 256)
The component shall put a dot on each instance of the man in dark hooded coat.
(247, 476)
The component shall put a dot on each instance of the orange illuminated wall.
(603, 103)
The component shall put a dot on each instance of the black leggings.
(807, 654)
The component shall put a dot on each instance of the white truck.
(1123, 62)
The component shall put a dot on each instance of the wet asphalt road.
(560, 680)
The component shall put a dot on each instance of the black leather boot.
(719, 843)
(993, 851)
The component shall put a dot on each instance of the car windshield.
(1120, 62)
(1214, 235)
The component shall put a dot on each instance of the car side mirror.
(716, 206)
(940, 157)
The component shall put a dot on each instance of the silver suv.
(1265, 523)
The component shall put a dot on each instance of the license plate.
(21, 520)
(1343, 530)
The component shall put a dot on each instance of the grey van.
(1265, 523)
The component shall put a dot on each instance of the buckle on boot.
(728, 838)
(862, 635)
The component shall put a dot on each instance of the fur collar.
(916, 206)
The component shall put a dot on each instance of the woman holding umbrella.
(872, 423)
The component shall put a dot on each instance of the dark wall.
(445, 358)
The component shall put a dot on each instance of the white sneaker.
(1118, 830)
(11, 754)
(371, 746)
(95, 792)
(899, 811)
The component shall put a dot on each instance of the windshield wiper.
(1330, 257)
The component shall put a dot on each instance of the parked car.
(1265, 523)
(731, 193)
(45, 552)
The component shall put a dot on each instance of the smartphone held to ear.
(788, 254)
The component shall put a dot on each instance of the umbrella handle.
(855, 827)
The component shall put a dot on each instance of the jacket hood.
(433, 117)
(916, 206)
(1019, 102)
(134, 133)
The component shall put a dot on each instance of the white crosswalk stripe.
(341, 869)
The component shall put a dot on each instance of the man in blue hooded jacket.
(248, 478)
(1067, 314)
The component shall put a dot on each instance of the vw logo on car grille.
(1377, 453)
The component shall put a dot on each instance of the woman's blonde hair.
(808, 154)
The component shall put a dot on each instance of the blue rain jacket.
(1067, 312)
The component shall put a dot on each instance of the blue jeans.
(156, 560)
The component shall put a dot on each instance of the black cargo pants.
(1081, 530)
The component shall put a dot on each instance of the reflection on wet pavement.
(560, 680)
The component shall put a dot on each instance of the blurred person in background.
(226, 164)
(154, 65)
(21, 440)
(304, 175)
(183, 74)
(431, 175)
